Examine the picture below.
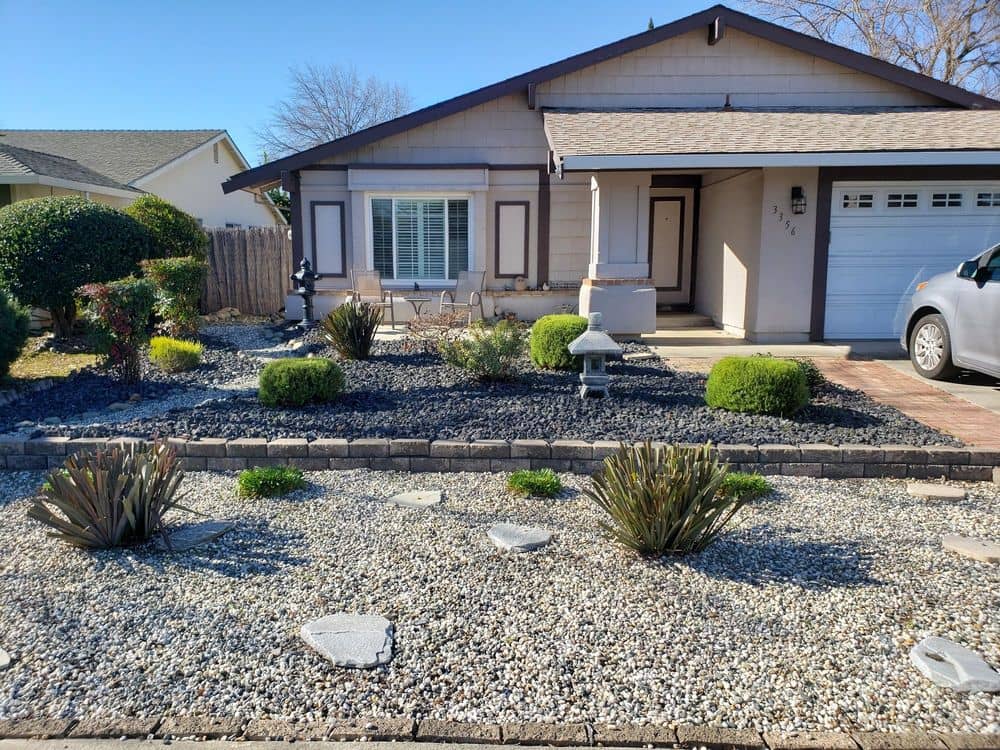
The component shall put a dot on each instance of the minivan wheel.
(930, 348)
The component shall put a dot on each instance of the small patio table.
(417, 303)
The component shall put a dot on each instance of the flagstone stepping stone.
(928, 491)
(416, 498)
(638, 356)
(189, 536)
(4, 659)
(967, 546)
(512, 538)
(947, 664)
(356, 641)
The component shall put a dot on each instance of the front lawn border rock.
(433, 730)
(577, 456)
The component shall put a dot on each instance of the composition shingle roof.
(22, 161)
(122, 155)
(702, 131)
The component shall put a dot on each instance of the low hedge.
(550, 337)
(300, 381)
(757, 385)
(174, 355)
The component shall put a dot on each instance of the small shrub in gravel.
(110, 498)
(745, 486)
(758, 385)
(550, 339)
(178, 288)
(14, 322)
(174, 355)
(118, 313)
(300, 381)
(663, 499)
(269, 481)
(351, 329)
(490, 353)
(534, 483)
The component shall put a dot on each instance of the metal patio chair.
(468, 294)
(368, 288)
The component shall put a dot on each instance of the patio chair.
(368, 288)
(467, 296)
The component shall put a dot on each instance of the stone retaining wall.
(432, 730)
(577, 456)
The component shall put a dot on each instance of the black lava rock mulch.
(402, 394)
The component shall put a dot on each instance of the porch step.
(676, 321)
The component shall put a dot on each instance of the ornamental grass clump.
(118, 313)
(178, 288)
(351, 329)
(269, 481)
(110, 498)
(300, 381)
(490, 353)
(174, 355)
(550, 339)
(663, 499)
(534, 483)
(744, 485)
(757, 385)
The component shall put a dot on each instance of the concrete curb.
(436, 731)
(577, 456)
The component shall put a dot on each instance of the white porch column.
(618, 283)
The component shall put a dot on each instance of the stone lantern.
(305, 283)
(594, 345)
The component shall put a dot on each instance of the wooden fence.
(247, 269)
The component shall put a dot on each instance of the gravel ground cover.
(400, 393)
(801, 617)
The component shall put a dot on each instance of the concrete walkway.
(159, 744)
(708, 342)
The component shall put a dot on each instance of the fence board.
(247, 269)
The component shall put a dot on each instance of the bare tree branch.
(957, 41)
(326, 103)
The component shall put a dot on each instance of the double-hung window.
(420, 238)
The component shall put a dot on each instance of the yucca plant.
(351, 328)
(663, 499)
(110, 498)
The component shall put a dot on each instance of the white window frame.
(406, 195)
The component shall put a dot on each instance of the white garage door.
(887, 237)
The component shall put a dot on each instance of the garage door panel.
(878, 254)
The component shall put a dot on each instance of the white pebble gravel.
(801, 618)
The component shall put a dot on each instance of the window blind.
(420, 238)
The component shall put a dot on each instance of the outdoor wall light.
(798, 200)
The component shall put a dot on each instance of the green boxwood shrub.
(178, 288)
(49, 247)
(550, 335)
(174, 355)
(14, 322)
(269, 481)
(758, 385)
(175, 233)
(300, 381)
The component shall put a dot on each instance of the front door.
(670, 248)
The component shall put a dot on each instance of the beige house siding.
(23, 192)
(688, 72)
(569, 243)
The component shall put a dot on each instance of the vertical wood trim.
(343, 237)
(297, 251)
(542, 244)
(496, 238)
(696, 220)
(821, 255)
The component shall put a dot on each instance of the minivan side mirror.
(968, 269)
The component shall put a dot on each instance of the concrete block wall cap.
(489, 449)
(631, 736)
(435, 730)
(286, 447)
(34, 729)
(409, 447)
(449, 449)
(558, 735)
(970, 741)
(11, 446)
(114, 728)
(809, 741)
(247, 448)
(329, 448)
(719, 738)
(898, 741)
(378, 730)
(200, 726)
(523, 448)
(275, 729)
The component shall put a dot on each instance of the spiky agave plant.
(351, 328)
(110, 498)
(663, 499)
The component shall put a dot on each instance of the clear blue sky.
(223, 63)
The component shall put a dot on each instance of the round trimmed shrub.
(300, 381)
(758, 385)
(550, 337)
(174, 355)
(49, 247)
(14, 322)
(175, 233)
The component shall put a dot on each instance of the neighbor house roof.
(629, 132)
(25, 165)
(717, 17)
(123, 155)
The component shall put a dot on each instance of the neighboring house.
(183, 167)
(789, 188)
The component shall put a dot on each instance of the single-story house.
(788, 188)
(116, 166)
